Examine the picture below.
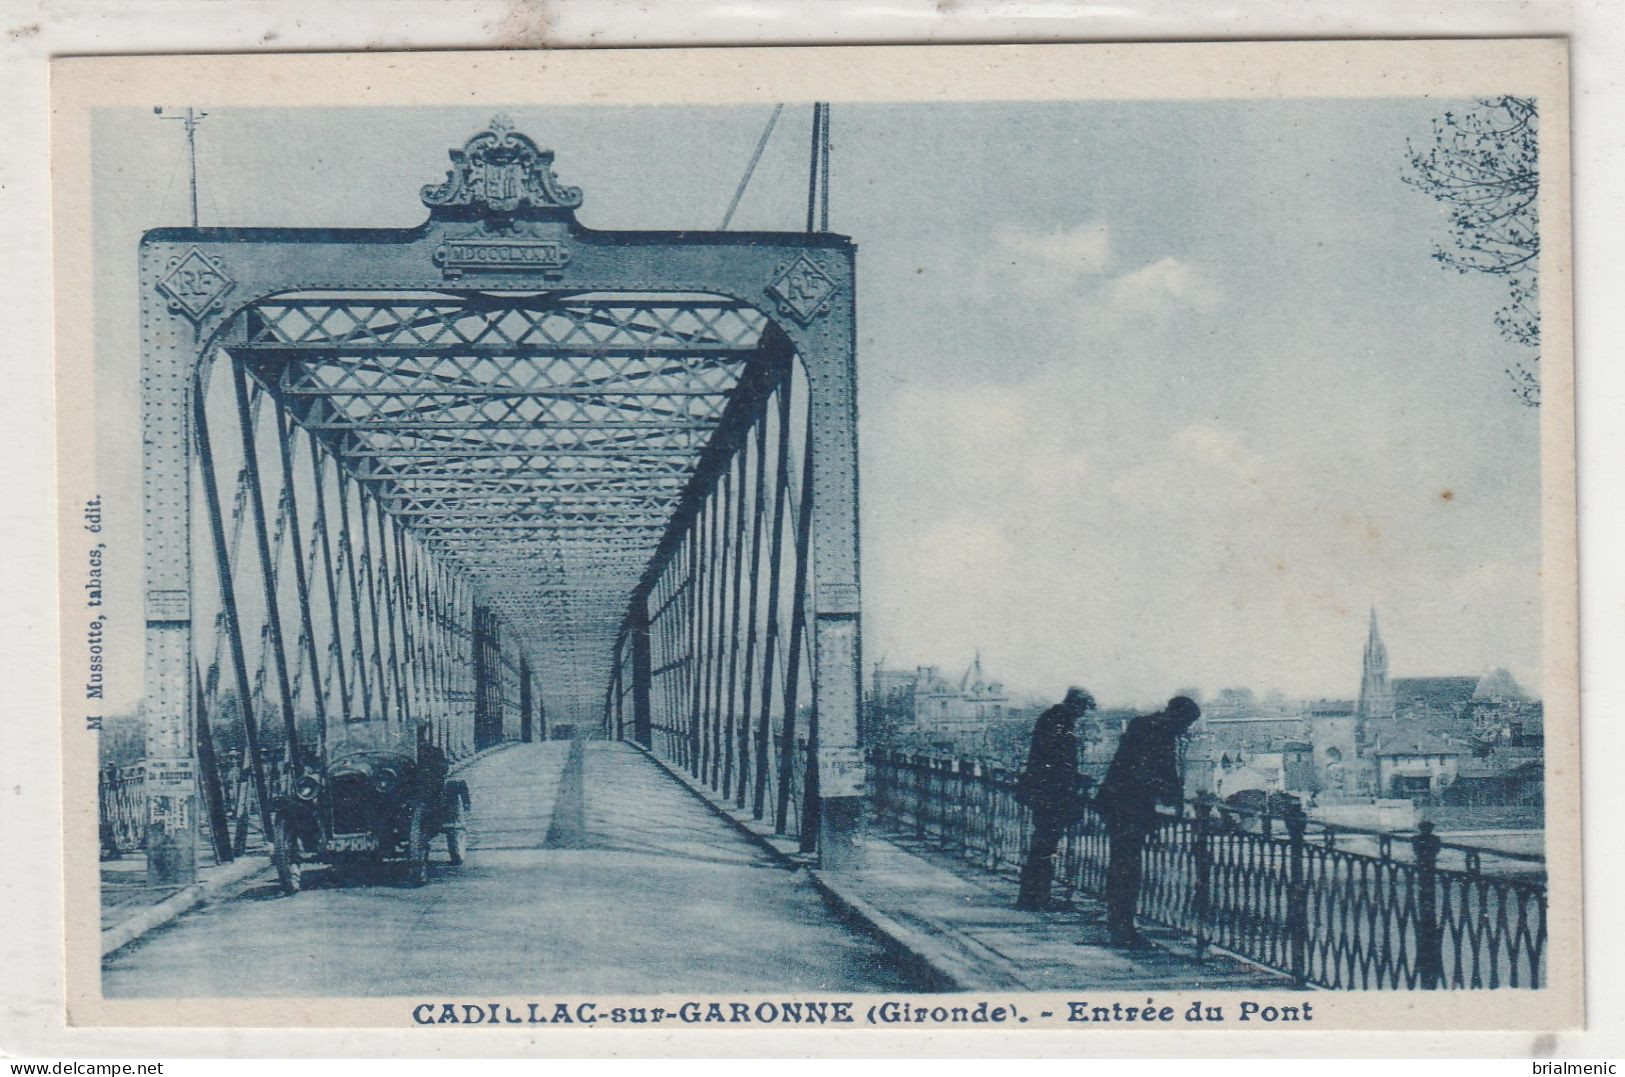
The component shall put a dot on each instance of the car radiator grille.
(352, 796)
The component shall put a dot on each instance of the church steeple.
(972, 682)
(1376, 694)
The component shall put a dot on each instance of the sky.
(1152, 395)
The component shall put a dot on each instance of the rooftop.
(1440, 693)
(1420, 745)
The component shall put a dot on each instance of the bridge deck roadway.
(592, 872)
(595, 871)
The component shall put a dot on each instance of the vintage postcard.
(917, 539)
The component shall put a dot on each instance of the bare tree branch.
(1484, 166)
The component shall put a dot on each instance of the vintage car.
(372, 803)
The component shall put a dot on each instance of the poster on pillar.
(463, 619)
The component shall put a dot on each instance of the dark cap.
(1183, 709)
(1079, 698)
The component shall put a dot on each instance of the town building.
(1224, 772)
(925, 707)
(1424, 765)
(1376, 694)
(1417, 737)
(1335, 740)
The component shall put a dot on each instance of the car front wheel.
(285, 856)
(457, 845)
(417, 848)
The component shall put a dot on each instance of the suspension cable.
(750, 169)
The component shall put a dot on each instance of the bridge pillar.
(642, 723)
(525, 721)
(829, 351)
(487, 678)
(173, 322)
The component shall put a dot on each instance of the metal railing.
(120, 793)
(1260, 886)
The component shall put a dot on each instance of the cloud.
(1085, 250)
(999, 441)
(1077, 262)
(1139, 561)
(1202, 464)
(961, 545)
(1220, 447)
(1166, 286)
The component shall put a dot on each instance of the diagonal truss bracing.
(541, 443)
(501, 461)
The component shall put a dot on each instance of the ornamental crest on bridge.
(802, 289)
(500, 172)
(503, 180)
(195, 284)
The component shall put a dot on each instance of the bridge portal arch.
(426, 474)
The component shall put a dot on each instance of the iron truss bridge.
(495, 476)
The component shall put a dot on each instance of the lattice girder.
(532, 323)
(541, 445)
(514, 355)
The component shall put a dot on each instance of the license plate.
(351, 843)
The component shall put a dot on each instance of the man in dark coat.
(432, 765)
(1143, 774)
(1049, 787)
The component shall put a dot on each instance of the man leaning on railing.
(1143, 773)
(1049, 788)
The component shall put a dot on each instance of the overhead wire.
(750, 169)
(169, 187)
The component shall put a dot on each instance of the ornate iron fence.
(121, 805)
(1262, 886)
(120, 801)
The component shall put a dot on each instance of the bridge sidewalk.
(957, 925)
(962, 922)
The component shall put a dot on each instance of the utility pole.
(191, 120)
(818, 171)
(191, 157)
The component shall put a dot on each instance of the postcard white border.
(1603, 394)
